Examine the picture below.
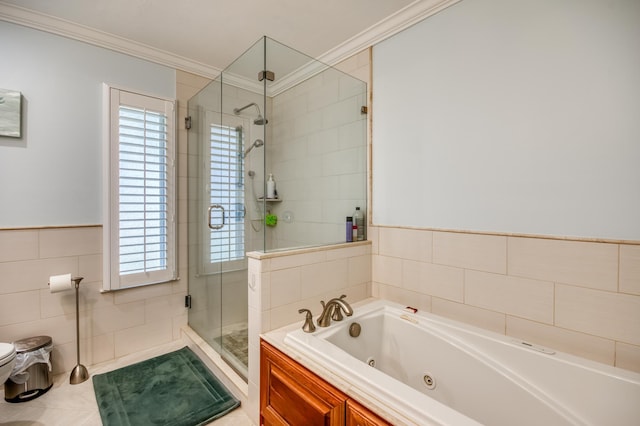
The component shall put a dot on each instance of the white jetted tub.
(442, 372)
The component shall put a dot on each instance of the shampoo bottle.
(271, 187)
(358, 221)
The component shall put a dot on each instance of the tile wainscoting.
(112, 324)
(579, 297)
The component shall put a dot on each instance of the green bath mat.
(173, 389)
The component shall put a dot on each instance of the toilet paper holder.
(79, 373)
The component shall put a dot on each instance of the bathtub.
(435, 371)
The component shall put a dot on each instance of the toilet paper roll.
(58, 283)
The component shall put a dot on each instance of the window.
(139, 228)
(222, 245)
(226, 194)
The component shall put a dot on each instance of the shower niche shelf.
(270, 200)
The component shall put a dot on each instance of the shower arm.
(237, 111)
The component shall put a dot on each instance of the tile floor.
(75, 405)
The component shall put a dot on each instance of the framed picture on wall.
(10, 113)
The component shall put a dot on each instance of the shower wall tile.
(630, 269)
(489, 320)
(330, 94)
(586, 264)
(188, 85)
(358, 65)
(471, 251)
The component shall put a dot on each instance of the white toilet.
(7, 361)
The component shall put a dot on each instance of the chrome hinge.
(187, 122)
(187, 301)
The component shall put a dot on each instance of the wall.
(281, 283)
(111, 324)
(318, 157)
(53, 175)
(578, 297)
(512, 116)
(581, 296)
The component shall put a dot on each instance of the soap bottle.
(358, 221)
(271, 187)
(349, 229)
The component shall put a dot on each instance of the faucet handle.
(308, 326)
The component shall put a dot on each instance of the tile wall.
(317, 156)
(576, 296)
(111, 324)
(281, 283)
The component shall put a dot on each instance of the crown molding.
(391, 25)
(388, 27)
(61, 27)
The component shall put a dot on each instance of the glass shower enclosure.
(273, 111)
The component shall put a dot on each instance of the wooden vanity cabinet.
(292, 395)
(357, 415)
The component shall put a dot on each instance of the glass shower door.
(217, 261)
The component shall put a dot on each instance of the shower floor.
(235, 346)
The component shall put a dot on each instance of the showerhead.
(260, 121)
(257, 144)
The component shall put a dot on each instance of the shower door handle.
(211, 207)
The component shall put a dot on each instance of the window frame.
(113, 279)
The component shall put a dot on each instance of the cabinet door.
(292, 395)
(357, 415)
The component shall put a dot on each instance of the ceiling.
(207, 35)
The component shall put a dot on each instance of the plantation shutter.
(226, 194)
(142, 194)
